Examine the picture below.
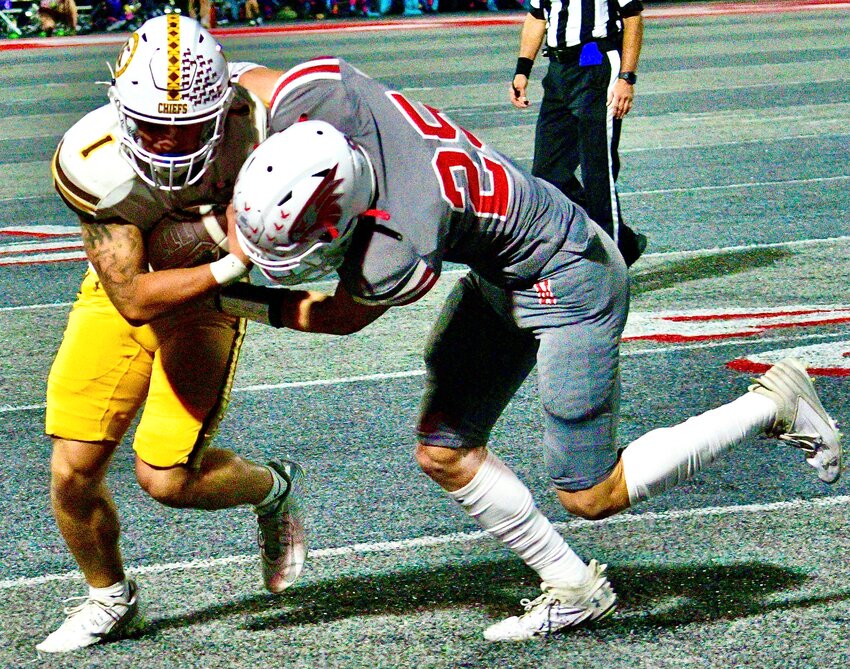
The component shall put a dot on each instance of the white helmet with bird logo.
(297, 199)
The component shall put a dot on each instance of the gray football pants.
(487, 340)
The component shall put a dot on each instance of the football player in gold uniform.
(173, 136)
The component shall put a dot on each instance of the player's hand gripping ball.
(187, 238)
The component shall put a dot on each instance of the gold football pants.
(180, 366)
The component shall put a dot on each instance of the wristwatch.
(628, 77)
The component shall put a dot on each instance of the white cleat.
(90, 622)
(559, 608)
(281, 534)
(801, 419)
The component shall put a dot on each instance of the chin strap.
(377, 213)
(384, 216)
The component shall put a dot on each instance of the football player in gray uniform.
(384, 190)
(173, 137)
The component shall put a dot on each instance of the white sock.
(279, 485)
(117, 592)
(661, 459)
(502, 505)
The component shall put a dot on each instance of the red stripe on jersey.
(426, 283)
(309, 69)
(544, 292)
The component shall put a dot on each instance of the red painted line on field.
(354, 25)
(46, 261)
(316, 26)
(744, 315)
(369, 26)
(725, 8)
(60, 247)
(680, 339)
(23, 232)
(752, 332)
(12, 251)
(750, 367)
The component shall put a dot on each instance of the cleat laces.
(810, 444)
(98, 613)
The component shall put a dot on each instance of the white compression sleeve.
(663, 458)
(228, 269)
(501, 504)
(237, 69)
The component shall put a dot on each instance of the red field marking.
(832, 359)
(41, 231)
(442, 22)
(62, 244)
(674, 328)
(71, 257)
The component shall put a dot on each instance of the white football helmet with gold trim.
(297, 199)
(171, 72)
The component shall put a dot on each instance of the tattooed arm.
(117, 252)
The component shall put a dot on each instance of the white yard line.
(667, 254)
(733, 186)
(458, 537)
(626, 353)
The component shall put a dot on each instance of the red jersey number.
(461, 179)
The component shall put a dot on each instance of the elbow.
(329, 324)
(337, 328)
(135, 315)
(135, 304)
(135, 320)
(352, 322)
(348, 328)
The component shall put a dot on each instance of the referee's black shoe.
(631, 244)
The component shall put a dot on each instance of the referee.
(593, 48)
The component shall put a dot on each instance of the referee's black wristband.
(523, 66)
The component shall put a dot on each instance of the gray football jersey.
(449, 197)
(97, 182)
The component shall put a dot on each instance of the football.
(187, 238)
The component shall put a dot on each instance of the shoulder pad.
(87, 166)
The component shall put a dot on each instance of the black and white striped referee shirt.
(573, 22)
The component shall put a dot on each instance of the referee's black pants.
(575, 128)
